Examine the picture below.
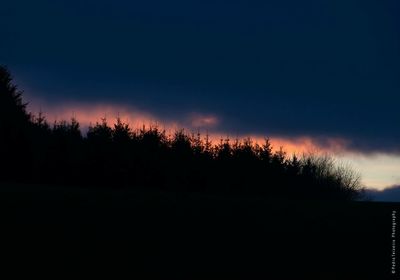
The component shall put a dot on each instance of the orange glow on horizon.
(291, 146)
(88, 115)
(92, 114)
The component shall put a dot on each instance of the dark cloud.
(287, 68)
(391, 194)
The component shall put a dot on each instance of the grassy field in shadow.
(194, 236)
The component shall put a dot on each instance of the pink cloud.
(203, 121)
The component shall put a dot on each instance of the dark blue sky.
(289, 68)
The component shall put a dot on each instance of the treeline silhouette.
(32, 150)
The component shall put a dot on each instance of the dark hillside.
(193, 236)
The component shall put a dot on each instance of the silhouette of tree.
(99, 153)
(101, 133)
(122, 133)
(15, 149)
(197, 144)
(13, 110)
(244, 151)
(181, 145)
(40, 136)
(224, 150)
(293, 166)
(265, 152)
(122, 151)
(66, 151)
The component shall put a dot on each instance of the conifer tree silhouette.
(15, 150)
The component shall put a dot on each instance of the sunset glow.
(90, 114)
(378, 171)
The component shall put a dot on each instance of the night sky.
(288, 69)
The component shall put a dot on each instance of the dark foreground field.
(190, 236)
